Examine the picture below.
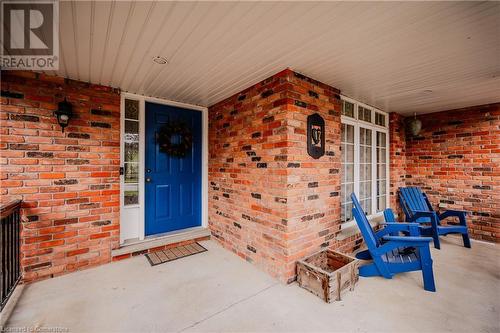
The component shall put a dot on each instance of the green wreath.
(175, 139)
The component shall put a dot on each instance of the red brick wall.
(69, 181)
(269, 201)
(456, 160)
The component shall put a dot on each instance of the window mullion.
(356, 160)
(387, 177)
(374, 171)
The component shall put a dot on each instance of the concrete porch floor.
(218, 292)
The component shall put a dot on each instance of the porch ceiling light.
(64, 113)
(414, 126)
(160, 60)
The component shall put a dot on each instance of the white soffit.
(398, 56)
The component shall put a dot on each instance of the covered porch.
(248, 127)
(217, 292)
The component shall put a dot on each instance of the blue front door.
(173, 184)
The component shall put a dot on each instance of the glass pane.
(365, 136)
(131, 127)
(348, 211)
(381, 203)
(362, 190)
(348, 109)
(368, 154)
(347, 133)
(349, 153)
(369, 189)
(364, 114)
(379, 119)
(349, 173)
(131, 195)
(131, 152)
(131, 172)
(381, 168)
(131, 109)
(368, 171)
(349, 188)
(380, 139)
(369, 137)
(131, 137)
(382, 156)
(367, 206)
(381, 187)
(350, 134)
(362, 173)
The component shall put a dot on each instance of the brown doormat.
(160, 257)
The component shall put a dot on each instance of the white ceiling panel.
(398, 56)
(101, 21)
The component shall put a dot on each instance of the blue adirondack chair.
(393, 254)
(417, 208)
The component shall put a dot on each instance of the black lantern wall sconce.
(315, 136)
(64, 113)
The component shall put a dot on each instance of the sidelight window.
(131, 153)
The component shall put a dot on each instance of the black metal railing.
(10, 237)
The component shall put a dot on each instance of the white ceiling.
(386, 54)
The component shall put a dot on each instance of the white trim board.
(132, 218)
(161, 240)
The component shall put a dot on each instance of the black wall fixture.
(315, 136)
(64, 113)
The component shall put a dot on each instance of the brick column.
(269, 201)
(313, 185)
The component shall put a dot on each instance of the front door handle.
(148, 180)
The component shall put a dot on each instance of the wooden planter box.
(327, 274)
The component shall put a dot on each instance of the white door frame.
(138, 231)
